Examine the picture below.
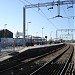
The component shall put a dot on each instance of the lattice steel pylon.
(68, 32)
(57, 3)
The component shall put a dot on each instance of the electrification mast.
(57, 3)
(65, 30)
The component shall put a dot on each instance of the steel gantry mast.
(57, 3)
(65, 30)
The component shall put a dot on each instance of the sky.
(11, 13)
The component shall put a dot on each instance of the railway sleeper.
(10, 64)
(53, 69)
(69, 70)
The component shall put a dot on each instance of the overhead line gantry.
(57, 3)
(65, 30)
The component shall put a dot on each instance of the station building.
(5, 33)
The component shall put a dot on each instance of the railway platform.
(35, 50)
(6, 55)
(5, 52)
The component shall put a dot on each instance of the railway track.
(29, 66)
(57, 66)
(15, 60)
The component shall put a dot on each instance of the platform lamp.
(42, 35)
(27, 29)
(5, 30)
(27, 26)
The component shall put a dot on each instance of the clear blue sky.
(11, 13)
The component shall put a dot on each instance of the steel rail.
(67, 63)
(18, 62)
(16, 66)
(61, 67)
(18, 59)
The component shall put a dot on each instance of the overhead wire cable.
(33, 9)
(48, 9)
(22, 1)
(27, 1)
(48, 19)
(64, 11)
(42, 15)
(66, 16)
(68, 13)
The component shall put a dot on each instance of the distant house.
(6, 34)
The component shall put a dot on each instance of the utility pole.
(24, 26)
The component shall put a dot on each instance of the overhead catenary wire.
(69, 14)
(51, 13)
(42, 15)
(22, 1)
(27, 1)
(66, 16)
(48, 8)
(48, 19)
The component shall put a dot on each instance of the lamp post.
(27, 27)
(5, 30)
(27, 31)
(50, 35)
(36, 34)
(24, 26)
(42, 32)
(42, 36)
(5, 35)
(36, 38)
(5, 26)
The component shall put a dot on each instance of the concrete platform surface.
(4, 52)
(4, 56)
